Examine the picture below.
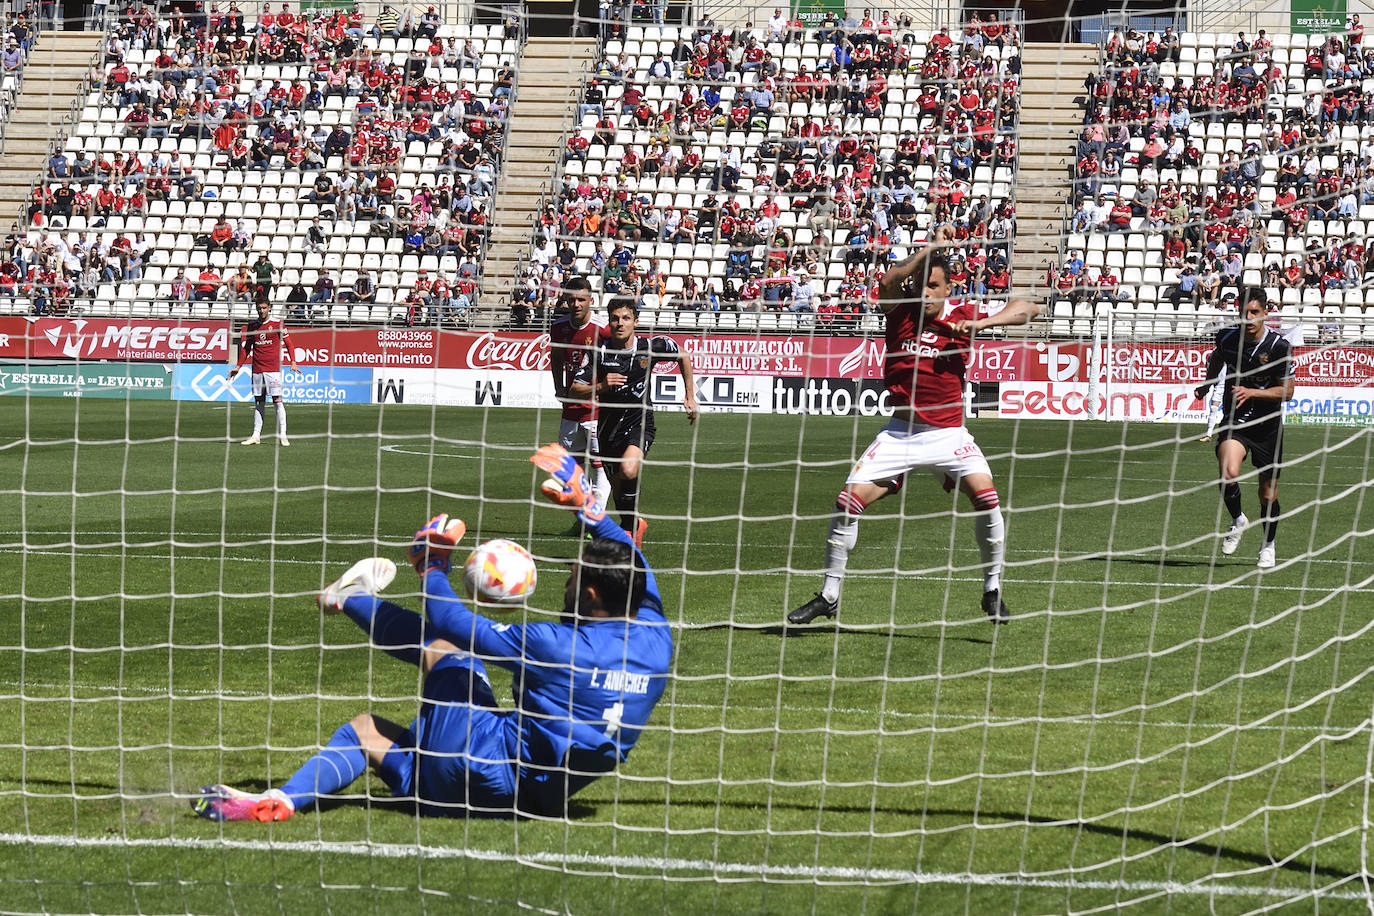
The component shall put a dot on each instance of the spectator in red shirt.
(207, 285)
(221, 237)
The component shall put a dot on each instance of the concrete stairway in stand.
(1052, 78)
(547, 89)
(55, 74)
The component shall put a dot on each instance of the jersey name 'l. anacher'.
(621, 680)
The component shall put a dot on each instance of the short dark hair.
(617, 303)
(617, 571)
(939, 260)
(1255, 294)
(578, 284)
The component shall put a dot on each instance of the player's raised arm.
(1016, 312)
(568, 487)
(890, 288)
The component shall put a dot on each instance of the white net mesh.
(1160, 724)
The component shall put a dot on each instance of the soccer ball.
(500, 572)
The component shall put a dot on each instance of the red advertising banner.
(413, 348)
(130, 339)
(1337, 367)
(14, 338)
(773, 357)
(1153, 364)
(794, 357)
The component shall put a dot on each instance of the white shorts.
(267, 383)
(578, 438)
(949, 453)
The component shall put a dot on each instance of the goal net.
(1162, 721)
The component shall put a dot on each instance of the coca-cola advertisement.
(520, 352)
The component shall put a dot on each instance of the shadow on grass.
(836, 629)
(578, 810)
(1152, 562)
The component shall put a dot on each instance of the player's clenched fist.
(567, 485)
(433, 544)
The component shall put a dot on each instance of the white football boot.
(1231, 541)
(365, 577)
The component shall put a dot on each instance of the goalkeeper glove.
(434, 543)
(567, 484)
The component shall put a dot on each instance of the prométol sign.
(1318, 17)
(107, 380)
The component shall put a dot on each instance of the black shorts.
(617, 430)
(1264, 443)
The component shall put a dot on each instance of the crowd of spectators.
(198, 77)
(792, 163)
(1211, 210)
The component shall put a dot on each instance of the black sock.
(1269, 511)
(1230, 498)
(627, 502)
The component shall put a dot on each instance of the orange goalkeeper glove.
(433, 544)
(567, 484)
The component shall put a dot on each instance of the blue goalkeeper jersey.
(584, 688)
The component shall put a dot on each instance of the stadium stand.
(352, 165)
(39, 92)
(757, 179)
(1212, 162)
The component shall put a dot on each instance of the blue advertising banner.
(317, 385)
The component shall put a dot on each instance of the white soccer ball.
(500, 572)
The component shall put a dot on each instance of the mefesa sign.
(129, 339)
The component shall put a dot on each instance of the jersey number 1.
(612, 715)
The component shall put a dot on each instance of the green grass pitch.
(1159, 727)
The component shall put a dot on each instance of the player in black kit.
(618, 378)
(1259, 379)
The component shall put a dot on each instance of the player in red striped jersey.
(573, 340)
(264, 341)
(928, 343)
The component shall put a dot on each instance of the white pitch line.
(1121, 720)
(138, 554)
(656, 867)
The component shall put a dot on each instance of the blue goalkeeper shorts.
(460, 754)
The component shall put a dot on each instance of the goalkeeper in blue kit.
(584, 685)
